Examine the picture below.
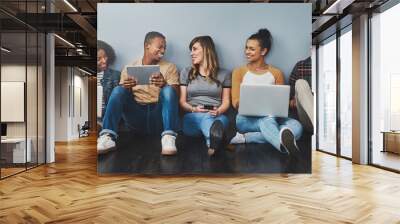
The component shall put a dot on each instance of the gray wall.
(124, 26)
(71, 93)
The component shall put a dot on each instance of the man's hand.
(214, 112)
(292, 104)
(157, 79)
(129, 82)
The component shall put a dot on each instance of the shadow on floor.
(141, 155)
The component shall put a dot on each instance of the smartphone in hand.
(208, 107)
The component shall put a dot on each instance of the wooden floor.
(70, 191)
(142, 155)
(386, 159)
(10, 171)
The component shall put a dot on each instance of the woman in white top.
(281, 132)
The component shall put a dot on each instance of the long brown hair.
(209, 56)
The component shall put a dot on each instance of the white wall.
(33, 127)
(61, 103)
(82, 83)
(71, 93)
(16, 73)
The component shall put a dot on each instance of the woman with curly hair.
(281, 132)
(107, 78)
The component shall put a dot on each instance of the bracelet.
(192, 108)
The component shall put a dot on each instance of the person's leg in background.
(254, 137)
(169, 110)
(279, 136)
(201, 124)
(168, 101)
(251, 127)
(305, 104)
(191, 124)
(121, 105)
(281, 133)
(294, 125)
(248, 131)
(289, 141)
(269, 128)
(231, 130)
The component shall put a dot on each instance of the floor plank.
(70, 191)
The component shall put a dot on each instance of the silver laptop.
(263, 100)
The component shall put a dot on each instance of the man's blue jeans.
(267, 129)
(161, 117)
(197, 124)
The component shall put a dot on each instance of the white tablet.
(142, 73)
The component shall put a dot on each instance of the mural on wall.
(196, 89)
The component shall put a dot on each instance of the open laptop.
(263, 100)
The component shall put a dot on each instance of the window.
(22, 66)
(385, 86)
(327, 96)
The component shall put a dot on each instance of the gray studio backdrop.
(124, 26)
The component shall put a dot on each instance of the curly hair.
(101, 45)
(264, 38)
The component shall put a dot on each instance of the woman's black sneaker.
(288, 142)
(216, 135)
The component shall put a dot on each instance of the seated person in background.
(107, 78)
(149, 109)
(281, 132)
(301, 97)
(205, 94)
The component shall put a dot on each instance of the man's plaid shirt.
(302, 70)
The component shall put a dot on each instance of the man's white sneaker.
(105, 144)
(168, 145)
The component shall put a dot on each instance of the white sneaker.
(211, 152)
(238, 139)
(168, 145)
(105, 144)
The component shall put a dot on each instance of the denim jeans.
(197, 124)
(155, 118)
(267, 129)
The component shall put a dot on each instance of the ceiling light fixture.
(5, 50)
(84, 71)
(64, 40)
(337, 7)
(70, 5)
